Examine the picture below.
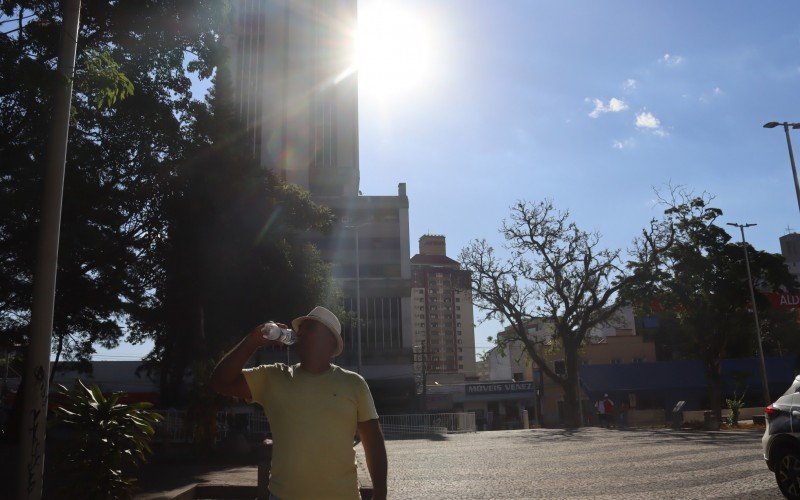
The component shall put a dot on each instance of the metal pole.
(580, 403)
(764, 382)
(424, 377)
(37, 367)
(358, 303)
(794, 168)
(5, 374)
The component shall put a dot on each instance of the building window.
(458, 300)
(458, 308)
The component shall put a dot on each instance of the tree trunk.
(714, 378)
(571, 389)
(58, 357)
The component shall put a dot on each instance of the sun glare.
(393, 49)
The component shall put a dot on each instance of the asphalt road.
(591, 462)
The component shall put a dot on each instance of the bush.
(734, 405)
(105, 439)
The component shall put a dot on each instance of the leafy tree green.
(701, 284)
(106, 438)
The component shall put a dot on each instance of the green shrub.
(734, 405)
(105, 439)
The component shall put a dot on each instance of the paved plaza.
(546, 463)
(591, 462)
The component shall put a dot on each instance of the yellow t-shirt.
(313, 420)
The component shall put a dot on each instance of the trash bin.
(710, 423)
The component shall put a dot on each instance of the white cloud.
(630, 84)
(614, 106)
(717, 91)
(624, 144)
(647, 121)
(671, 59)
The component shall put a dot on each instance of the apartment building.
(441, 311)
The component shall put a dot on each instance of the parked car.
(781, 441)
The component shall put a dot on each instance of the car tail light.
(771, 412)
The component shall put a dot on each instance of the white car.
(781, 441)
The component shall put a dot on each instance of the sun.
(393, 49)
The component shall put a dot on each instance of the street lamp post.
(30, 464)
(358, 295)
(786, 126)
(764, 382)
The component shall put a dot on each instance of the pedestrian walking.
(608, 411)
(601, 413)
(314, 408)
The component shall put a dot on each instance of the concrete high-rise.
(296, 87)
(790, 249)
(441, 310)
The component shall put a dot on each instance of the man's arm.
(375, 451)
(227, 377)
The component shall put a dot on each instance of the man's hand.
(256, 336)
(375, 452)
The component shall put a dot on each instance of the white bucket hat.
(328, 319)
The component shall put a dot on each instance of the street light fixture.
(764, 382)
(786, 126)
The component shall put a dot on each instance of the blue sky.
(591, 104)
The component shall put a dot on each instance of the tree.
(701, 283)
(131, 96)
(234, 251)
(559, 272)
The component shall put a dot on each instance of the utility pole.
(764, 381)
(37, 367)
(786, 127)
(423, 360)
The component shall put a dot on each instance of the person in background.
(601, 413)
(608, 411)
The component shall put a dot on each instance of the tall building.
(296, 87)
(790, 249)
(294, 78)
(441, 310)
